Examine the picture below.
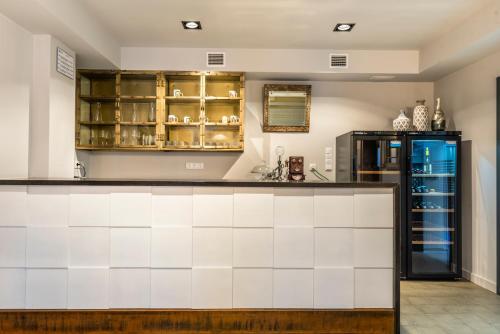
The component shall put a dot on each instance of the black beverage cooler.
(426, 165)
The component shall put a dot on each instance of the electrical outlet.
(312, 166)
(195, 165)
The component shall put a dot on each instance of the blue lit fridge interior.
(433, 203)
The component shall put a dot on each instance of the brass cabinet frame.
(161, 99)
(293, 88)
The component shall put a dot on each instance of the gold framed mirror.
(287, 108)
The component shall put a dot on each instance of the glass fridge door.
(432, 204)
(377, 159)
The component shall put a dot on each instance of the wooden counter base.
(198, 321)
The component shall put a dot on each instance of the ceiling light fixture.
(191, 25)
(344, 27)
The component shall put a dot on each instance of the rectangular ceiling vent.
(338, 60)
(216, 59)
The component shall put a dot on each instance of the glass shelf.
(433, 175)
(90, 98)
(182, 124)
(433, 194)
(227, 125)
(182, 99)
(432, 210)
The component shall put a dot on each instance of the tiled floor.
(448, 307)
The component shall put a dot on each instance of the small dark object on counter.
(296, 169)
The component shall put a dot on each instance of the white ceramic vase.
(421, 116)
(401, 123)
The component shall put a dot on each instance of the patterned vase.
(421, 116)
(401, 123)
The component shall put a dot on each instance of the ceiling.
(293, 24)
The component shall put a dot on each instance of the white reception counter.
(72, 245)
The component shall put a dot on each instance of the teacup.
(234, 119)
(187, 119)
(177, 92)
(172, 118)
(233, 93)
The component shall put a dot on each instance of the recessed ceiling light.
(191, 25)
(344, 27)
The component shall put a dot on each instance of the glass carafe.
(152, 112)
(134, 113)
(97, 117)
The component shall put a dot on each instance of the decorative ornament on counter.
(421, 116)
(277, 173)
(438, 120)
(296, 169)
(401, 123)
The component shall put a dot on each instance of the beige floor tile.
(448, 307)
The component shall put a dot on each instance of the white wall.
(15, 80)
(469, 98)
(337, 107)
(295, 61)
(52, 113)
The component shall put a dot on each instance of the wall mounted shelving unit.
(129, 110)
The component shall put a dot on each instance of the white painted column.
(52, 113)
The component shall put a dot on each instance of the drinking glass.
(135, 135)
(100, 139)
(93, 137)
(124, 138)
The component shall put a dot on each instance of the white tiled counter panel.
(94, 247)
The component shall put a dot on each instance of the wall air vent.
(216, 59)
(338, 60)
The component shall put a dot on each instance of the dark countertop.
(193, 182)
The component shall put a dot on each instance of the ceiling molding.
(473, 39)
(70, 22)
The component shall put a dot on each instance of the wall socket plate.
(195, 165)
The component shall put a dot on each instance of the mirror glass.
(287, 108)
